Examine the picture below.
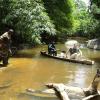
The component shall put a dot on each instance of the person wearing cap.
(74, 53)
(5, 46)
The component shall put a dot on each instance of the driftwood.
(89, 93)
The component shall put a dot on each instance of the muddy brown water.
(31, 70)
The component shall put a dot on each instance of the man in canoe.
(5, 46)
(52, 49)
(74, 52)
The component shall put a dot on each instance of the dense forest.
(39, 21)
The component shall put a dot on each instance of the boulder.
(94, 44)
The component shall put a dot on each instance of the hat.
(11, 31)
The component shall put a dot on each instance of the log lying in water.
(64, 92)
(89, 93)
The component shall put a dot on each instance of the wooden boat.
(83, 61)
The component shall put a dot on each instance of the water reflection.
(25, 96)
(31, 70)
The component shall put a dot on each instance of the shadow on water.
(97, 59)
(5, 86)
(23, 55)
(2, 66)
(96, 98)
(27, 53)
(34, 97)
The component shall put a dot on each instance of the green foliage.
(36, 39)
(60, 11)
(95, 11)
(4, 10)
(37, 20)
(80, 16)
(95, 8)
(28, 18)
(84, 24)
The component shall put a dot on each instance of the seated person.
(52, 49)
(63, 54)
(74, 52)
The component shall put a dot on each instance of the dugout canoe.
(83, 61)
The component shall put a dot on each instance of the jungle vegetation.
(39, 21)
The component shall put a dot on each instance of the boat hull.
(87, 62)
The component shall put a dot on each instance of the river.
(31, 70)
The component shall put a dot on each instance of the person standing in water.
(5, 46)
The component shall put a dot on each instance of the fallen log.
(64, 92)
(89, 93)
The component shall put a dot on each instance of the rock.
(94, 44)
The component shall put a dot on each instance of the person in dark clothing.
(52, 49)
(5, 46)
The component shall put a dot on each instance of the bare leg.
(78, 56)
(73, 56)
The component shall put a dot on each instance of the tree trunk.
(88, 93)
